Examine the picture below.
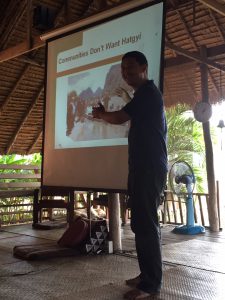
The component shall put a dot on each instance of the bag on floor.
(95, 243)
(88, 236)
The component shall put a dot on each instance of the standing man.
(147, 169)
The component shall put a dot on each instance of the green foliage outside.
(8, 206)
(15, 159)
(186, 143)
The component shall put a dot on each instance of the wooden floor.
(193, 268)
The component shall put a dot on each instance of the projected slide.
(83, 69)
(87, 71)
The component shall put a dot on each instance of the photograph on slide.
(84, 90)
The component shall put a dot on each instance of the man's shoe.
(137, 294)
(133, 282)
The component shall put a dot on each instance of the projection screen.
(83, 68)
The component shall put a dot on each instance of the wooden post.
(212, 203)
(89, 205)
(218, 201)
(114, 221)
(29, 24)
(67, 12)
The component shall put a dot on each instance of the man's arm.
(114, 117)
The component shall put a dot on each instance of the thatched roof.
(190, 25)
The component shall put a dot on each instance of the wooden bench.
(50, 198)
(19, 180)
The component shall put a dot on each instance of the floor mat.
(197, 254)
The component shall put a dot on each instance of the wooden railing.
(174, 209)
(18, 180)
(17, 188)
(19, 209)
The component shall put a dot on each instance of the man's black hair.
(138, 56)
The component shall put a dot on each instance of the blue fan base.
(190, 229)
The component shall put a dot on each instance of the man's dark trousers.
(145, 188)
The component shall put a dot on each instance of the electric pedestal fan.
(182, 181)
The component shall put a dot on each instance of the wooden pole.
(212, 202)
(218, 201)
(29, 24)
(114, 221)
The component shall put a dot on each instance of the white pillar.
(114, 221)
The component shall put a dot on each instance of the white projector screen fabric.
(83, 68)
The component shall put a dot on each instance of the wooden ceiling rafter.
(7, 99)
(29, 23)
(20, 49)
(31, 61)
(212, 52)
(20, 78)
(6, 14)
(67, 11)
(27, 68)
(217, 25)
(38, 136)
(214, 5)
(26, 116)
(101, 4)
(83, 13)
(195, 56)
(60, 15)
(24, 47)
(223, 40)
(36, 42)
(167, 88)
(12, 141)
(182, 20)
(3, 10)
(190, 85)
(168, 40)
(192, 39)
(5, 37)
(211, 77)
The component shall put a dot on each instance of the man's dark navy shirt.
(148, 131)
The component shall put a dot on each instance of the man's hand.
(98, 111)
(121, 92)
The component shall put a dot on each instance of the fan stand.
(190, 228)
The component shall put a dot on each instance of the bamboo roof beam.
(25, 46)
(167, 88)
(168, 40)
(29, 24)
(7, 99)
(192, 40)
(8, 31)
(214, 5)
(182, 20)
(20, 49)
(216, 88)
(36, 42)
(190, 86)
(195, 56)
(217, 25)
(38, 136)
(26, 115)
(222, 38)
(31, 61)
